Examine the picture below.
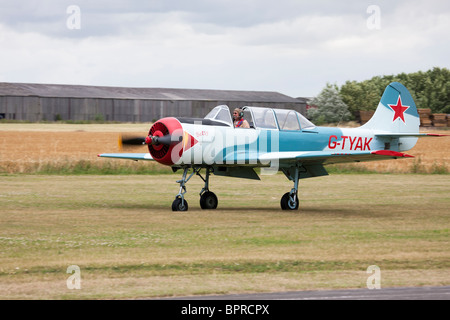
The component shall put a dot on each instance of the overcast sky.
(291, 46)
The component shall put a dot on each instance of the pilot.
(239, 121)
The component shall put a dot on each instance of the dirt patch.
(22, 145)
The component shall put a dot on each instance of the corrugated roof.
(78, 91)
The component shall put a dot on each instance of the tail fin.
(396, 114)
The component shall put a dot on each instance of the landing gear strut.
(180, 204)
(289, 201)
(208, 200)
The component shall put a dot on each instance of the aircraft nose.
(164, 135)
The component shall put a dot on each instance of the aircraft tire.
(177, 205)
(286, 203)
(208, 200)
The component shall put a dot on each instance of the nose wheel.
(179, 204)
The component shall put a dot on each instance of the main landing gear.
(289, 201)
(208, 200)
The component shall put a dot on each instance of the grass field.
(127, 243)
(119, 229)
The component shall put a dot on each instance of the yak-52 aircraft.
(282, 140)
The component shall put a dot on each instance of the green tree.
(353, 95)
(429, 89)
(328, 107)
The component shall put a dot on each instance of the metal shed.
(50, 102)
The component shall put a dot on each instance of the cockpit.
(263, 118)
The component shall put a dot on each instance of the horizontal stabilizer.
(405, 135)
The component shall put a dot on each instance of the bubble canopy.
(263, 118)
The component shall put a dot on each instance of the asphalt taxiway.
(403, 293)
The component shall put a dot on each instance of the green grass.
(120, 231)
(86, 167)
(111, 167)
(127, 167)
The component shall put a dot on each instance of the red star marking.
(399, 110)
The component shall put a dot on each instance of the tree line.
(429, 89)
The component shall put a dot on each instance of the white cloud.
(291, 47)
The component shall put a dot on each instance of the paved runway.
(409, 293)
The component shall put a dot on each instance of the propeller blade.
(155, 140)
(167, 140)
(135, 141)
(130, 142)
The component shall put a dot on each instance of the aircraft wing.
(304, 157)
(326, 157)
(128, 156)
(312, 161)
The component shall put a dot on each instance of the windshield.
(220, 113)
